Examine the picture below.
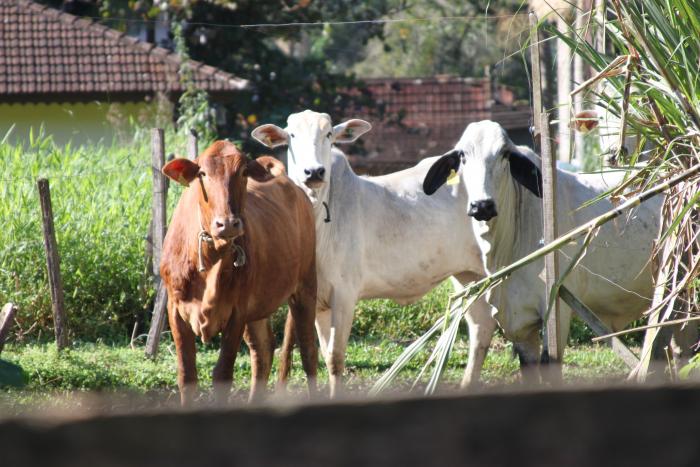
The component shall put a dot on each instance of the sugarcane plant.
(644, 74)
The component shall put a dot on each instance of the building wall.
(78, 123)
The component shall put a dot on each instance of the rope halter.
(204, 236)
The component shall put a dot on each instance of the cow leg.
(261, 342)
(285, 360)
(184, 340)
(302, 307)
(342, 311)
(323, 329)
(481, 326)
(222, 376)
(481, 329)
(528, 351)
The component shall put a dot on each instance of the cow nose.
(314, 175)
(482, 210)
(226, 226)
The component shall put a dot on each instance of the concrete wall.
(589, 428)
(78, 123)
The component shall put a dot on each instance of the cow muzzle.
(483, 210)
(314, 177)
(226, 228)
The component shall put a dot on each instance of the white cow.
(503, 181)
(377, 237)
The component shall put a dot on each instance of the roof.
(435, 111)
(49, 55)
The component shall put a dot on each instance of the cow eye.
(291, 134)
(329, 135)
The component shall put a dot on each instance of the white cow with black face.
(504, 185)
(377, 237)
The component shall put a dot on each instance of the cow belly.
(406, 272)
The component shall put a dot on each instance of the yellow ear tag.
(453, 179)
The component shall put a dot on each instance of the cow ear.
(349, 131)
(441, 169)
(180, 170)
(270, 135)
(258, 171)
(525, 172)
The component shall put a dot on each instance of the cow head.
(219, 177)
(488, 161)
(309, 136)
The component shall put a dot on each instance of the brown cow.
(241, 243)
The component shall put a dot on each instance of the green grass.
(101, 197)
(124, 375)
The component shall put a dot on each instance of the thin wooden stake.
(192, 150)
(598, 327)
(134, 332)
(160, 193)
(551, 262)
(7, 317)
(53, 265)
(536, 82)
(157, 321)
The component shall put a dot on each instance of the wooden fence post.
(7, 317)
(192, 149)
(541, 136)
(551, 261)
(53, 265)
(160, 193)
(536, 82)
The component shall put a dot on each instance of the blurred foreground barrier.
(617, 427)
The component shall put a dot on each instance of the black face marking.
(525, 172)
(438, 173)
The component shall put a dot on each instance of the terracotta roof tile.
(43, 50)
(435, 110)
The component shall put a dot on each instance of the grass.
(124, 375)
(101, 204)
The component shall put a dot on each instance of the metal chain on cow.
(204, 236)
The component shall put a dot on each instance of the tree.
(290, 68)
(473, 36)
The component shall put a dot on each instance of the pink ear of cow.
(183, 171)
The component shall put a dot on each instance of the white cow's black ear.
(525, 172)
(438, 173)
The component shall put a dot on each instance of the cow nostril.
(236, 222)
(321, 172)
(307, 172)
(219, 224)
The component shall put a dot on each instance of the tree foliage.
(473, 37)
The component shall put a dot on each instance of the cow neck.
(323, 195)
(205, 237)
(322, 210)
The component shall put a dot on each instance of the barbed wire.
(464, 18)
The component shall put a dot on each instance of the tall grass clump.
(101, 197)
(646, 75)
